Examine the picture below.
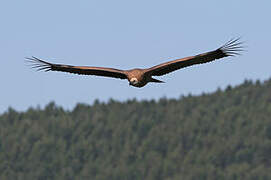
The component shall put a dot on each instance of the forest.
(223, 135)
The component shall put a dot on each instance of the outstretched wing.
(42, 65)
(231, 48)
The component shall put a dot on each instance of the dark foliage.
(223, 135)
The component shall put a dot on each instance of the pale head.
(133, 81)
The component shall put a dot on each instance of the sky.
(126, 34)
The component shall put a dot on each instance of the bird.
(139, 77)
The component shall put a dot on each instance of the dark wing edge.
(41, 65)
(231, 48)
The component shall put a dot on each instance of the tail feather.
(156, 80)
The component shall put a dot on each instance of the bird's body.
(137, 77)
(140, 77)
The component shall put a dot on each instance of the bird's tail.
(156, 80)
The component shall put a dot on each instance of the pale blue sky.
(124, 35)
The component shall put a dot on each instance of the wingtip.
(38, 64)
(233, 47)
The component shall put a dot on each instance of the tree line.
(221, 135)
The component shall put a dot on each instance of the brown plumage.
(140, 77)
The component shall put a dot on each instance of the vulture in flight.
(140, 77)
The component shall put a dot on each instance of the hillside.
(222, 135)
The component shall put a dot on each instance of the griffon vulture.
(140, 77)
